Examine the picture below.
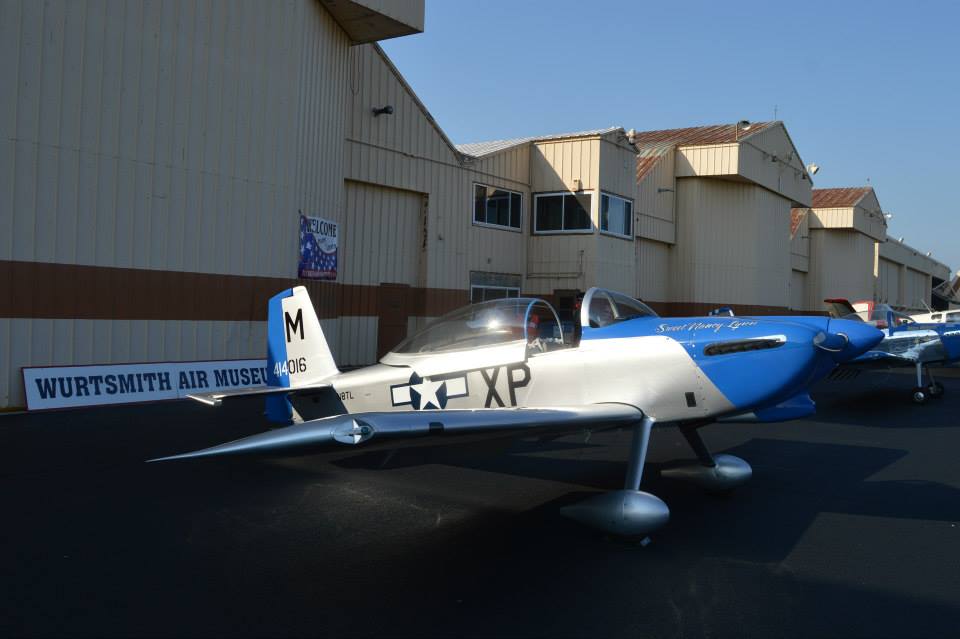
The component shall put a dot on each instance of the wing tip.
(208, 400)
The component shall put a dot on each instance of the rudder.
(297, 351)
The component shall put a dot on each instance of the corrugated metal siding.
(798, 291)
(785, 175)
(410, 129)
(916, 289)
(719, 159)
(732, 244)
(841, 265)
(380, 242)
(836, 218)
(174, 136)
(555, 165)
(888, 282)
(566, 258)
(653, 270)
(618, 169)
(656, 207)
(905, 254)
(406, 151)
(163, 141)
(381, 236)
(849, 218)
(616, 264)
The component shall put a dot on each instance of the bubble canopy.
(493, 323)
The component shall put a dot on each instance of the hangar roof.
(697, 135)
(840, 197)
(478, 149)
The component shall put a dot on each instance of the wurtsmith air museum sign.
(73, 386)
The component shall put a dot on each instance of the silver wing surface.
(363, 428)
(215, 399)
(903, 349)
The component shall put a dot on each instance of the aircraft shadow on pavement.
(246, 547)
(793, 483)
(880, 399)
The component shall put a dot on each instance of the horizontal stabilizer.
(215, 399)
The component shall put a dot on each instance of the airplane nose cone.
(859, 338)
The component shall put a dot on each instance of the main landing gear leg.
(717, 473)
(921, 393)
(935, 388)
(628, 512)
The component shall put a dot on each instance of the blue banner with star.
(318, 249)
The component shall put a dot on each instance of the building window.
(616, 215)
(493, 286)
(497, 207)
(562, 213)
(486, 293)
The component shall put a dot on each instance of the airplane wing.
(881, 359)
(216, 398)
(908, 344)
(362, 428)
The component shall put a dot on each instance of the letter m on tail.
(293, 324)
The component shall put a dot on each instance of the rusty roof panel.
(841, 197)
(796, 217)
(697, 135)
(645, 164)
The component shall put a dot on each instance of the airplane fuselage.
(677, 369)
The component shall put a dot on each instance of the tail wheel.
(920, 395)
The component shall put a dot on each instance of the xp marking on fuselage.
(510, 365)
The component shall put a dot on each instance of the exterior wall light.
(384, 110)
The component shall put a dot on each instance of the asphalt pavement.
(850, 527)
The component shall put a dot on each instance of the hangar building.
(849, 254)
(155, 160)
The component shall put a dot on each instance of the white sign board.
(72, 386)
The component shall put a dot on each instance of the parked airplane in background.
(906, 342)
(937, 317)
(509, 365)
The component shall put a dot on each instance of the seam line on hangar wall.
(467, 165)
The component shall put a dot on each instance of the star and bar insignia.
(428, 394)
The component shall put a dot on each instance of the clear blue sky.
(868, 90)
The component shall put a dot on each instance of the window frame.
(489, 225)
(589, 231)
(498, 288)
(630, 237)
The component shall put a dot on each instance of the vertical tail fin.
(297, 351)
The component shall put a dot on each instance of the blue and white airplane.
(509, 365)
(906, 342)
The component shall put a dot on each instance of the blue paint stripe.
(276, 340)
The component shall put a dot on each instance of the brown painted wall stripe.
(70, 291)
